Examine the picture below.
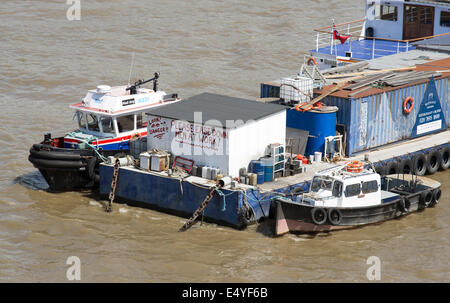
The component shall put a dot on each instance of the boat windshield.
(81, 120)
(320, 182)
(107, 125)
(92, 122)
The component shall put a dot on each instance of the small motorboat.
(351, 195)
(108, 118)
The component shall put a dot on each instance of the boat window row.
(445, 19)
(413, 14)
(363, 187)
(106, 125)
(336, 187)
(386, 12)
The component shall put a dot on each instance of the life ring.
(308, 107)
(298, 107)
(135, 136)
(311, 60)
(408, 108)
(318, 215)
(354, 166)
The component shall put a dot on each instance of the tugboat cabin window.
(141, 122)
(125, 123)
(107, 125)
(445, 19)
(353, 190)
(386, 12)
(81, 120)
(321, 183)
(370, 187)
(337, 189)
(92, 122)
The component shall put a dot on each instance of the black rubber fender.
(404, 204)
(47, 163)
(437, 194)
(405, 166)
(420, 164)
(246, 215)
(334, 216)
(433, 161)
(91, 167)
(379, 168)
(391, 168)
(54, 155)
(46, 147)
(445, 158)
(426, 198)
(319, 215)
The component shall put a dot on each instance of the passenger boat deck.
(366, 49)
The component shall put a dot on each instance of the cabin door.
(418, 21)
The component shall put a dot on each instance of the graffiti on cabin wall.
(158, 128)
(199, 136)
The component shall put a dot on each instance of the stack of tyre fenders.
(426, 161)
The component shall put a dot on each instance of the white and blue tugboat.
(349, 196)
(108, 118)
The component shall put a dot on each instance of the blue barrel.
(268, 172)
(258, 169)
(319, 124)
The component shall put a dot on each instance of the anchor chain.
(199, 210)
(112, 192)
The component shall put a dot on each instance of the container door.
(418, 21)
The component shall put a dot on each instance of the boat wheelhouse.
(108, 118)
(389, 27)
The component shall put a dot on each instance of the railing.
(324, 35)
(324, 38)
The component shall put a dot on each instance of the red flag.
(337, 36)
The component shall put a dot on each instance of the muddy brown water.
(227, 47)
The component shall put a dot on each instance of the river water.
(48, 62)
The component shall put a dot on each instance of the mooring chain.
(205, 202)
(112, 192)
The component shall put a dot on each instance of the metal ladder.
(311, 71)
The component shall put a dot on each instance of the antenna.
(131, 68)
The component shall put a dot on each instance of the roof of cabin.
(217, 107)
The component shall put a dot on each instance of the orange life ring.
(311, 59)
(354, 166)
(407, 109)
(135, 136)
(310, 106)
